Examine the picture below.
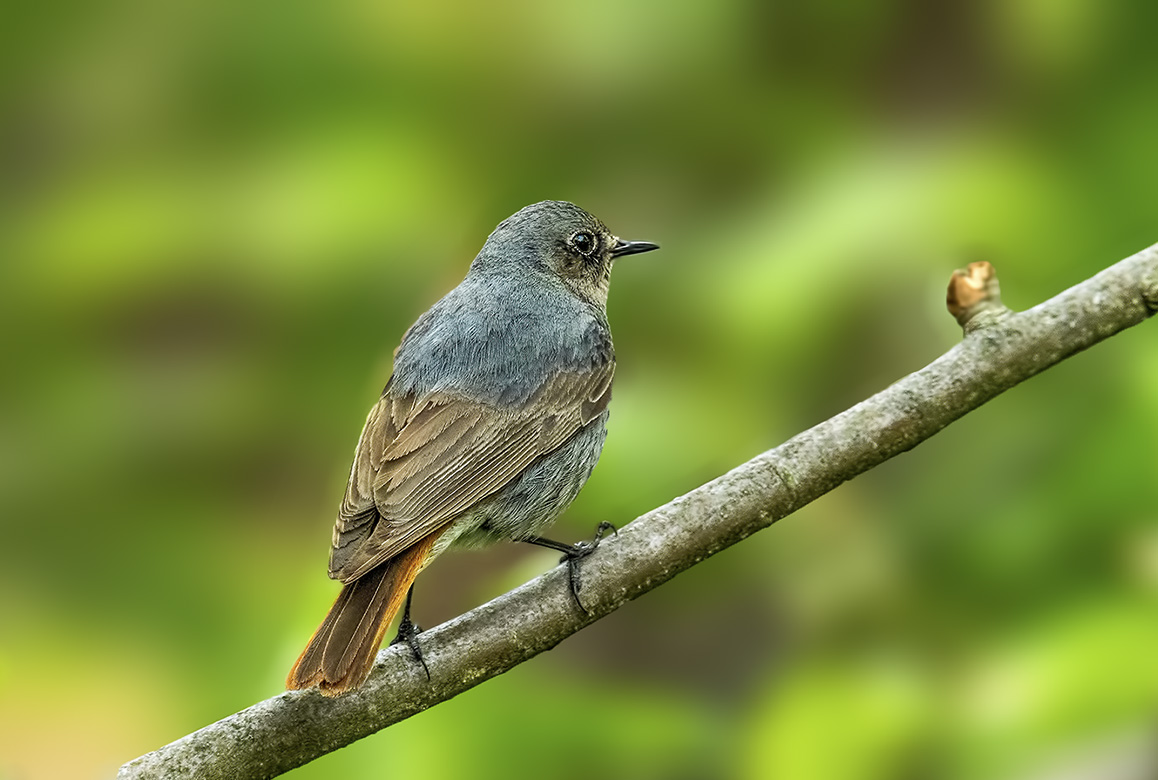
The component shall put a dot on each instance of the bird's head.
(564, 240)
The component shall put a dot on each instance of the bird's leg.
(408, 632)
(572, 553)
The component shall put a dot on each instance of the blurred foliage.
(217, 219)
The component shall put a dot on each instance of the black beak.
(622, 248)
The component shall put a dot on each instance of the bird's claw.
(581, 550)
(408, 632)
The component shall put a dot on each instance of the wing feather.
(423, 461)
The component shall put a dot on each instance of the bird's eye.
(583, 242)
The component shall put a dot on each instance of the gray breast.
(498, 341)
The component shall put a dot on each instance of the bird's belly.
(532, 501)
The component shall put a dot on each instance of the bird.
(490, 424)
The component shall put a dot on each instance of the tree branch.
(1000, 349)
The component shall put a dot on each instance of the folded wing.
(422, 461)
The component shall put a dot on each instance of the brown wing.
(421, 462)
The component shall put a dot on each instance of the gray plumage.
(513, 322)
(490, 425)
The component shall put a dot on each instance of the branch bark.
(1000, 349)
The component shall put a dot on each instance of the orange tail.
(341, 652)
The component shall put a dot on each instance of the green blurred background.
(218, 219)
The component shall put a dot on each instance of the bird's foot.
(578, 552)
(573, 553)
(408, 633)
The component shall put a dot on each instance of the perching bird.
(491, 423)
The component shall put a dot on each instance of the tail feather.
(341, 652)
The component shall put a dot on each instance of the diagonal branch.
(1000, 349)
